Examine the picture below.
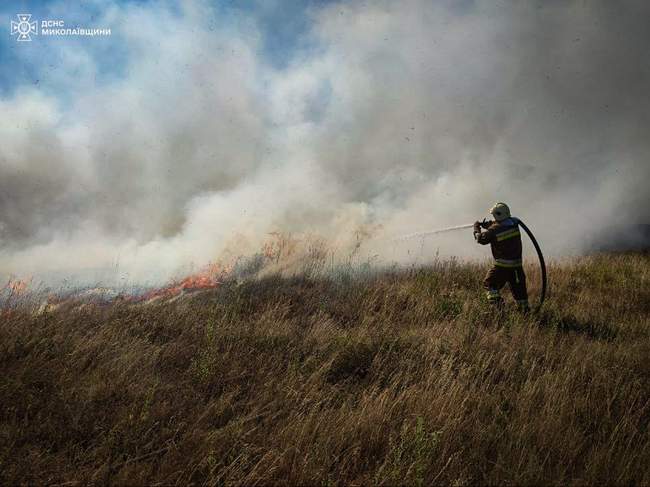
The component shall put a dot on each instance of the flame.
(279, 249)
(16, 286)
(210, 277)
(8, 294)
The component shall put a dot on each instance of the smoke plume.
(387, 118)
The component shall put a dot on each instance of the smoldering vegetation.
(397, 377)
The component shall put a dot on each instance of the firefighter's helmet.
(500, 211)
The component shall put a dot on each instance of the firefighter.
(505, 240)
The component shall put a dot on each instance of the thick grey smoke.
(409, 115)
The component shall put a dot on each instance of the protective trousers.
(497, 277)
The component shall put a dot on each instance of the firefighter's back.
(505, 242)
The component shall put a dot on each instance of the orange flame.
(17, 286)
(210, 277)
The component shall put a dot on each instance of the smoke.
(397, 116)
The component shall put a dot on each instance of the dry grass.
(396, 378)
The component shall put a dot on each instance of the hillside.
(399, 377)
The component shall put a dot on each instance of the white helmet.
(500, 211)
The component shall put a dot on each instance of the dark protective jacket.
(505, 240)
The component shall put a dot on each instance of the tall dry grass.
(402, 377)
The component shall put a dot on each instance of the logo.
(24, 28)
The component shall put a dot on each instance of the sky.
(197, 128)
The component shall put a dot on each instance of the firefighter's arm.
(483, 238)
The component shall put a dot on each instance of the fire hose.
(542, 264)
(540, 256)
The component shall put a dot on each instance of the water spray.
(540, 256)
(433, 232)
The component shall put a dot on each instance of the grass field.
(398, 377)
